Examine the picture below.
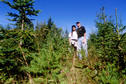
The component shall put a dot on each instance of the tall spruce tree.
(66, 33)
(24, 8)
(50, 23)
(109, 39)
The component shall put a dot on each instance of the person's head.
(78, 24)
(73, 28)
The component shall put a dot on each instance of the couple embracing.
(77, 39)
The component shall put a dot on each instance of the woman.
(73, 37)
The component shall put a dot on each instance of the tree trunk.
(30, 78)
(20, 46)
(22, 29)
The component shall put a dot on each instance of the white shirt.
(74, 35)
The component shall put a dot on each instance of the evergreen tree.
(8, 27)
(66, 34)
(109, 40)
(25, 9)
(50, 23)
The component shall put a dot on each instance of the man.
(82, 43)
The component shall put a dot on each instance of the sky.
(66, 13)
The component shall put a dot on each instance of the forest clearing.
(41, 54)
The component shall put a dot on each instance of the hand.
(84, 41)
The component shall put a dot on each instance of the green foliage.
(11, 59)
(49, 61)
(109, 75)
(24, 8)
(45, 53)
(108, 40)
(106, 44)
